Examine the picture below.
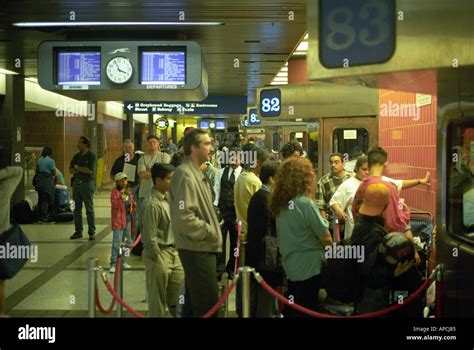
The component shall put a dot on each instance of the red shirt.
(396, 215)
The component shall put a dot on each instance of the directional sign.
(270, 103)
(253, 117)
(356, 32)
(211, 105)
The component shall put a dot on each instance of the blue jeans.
(119, 236)
(84, 193)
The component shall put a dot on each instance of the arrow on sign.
(129, 106)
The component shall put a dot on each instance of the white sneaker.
(126, 266)
(112, 269)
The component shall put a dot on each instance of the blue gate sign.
(253, 117)
(356, 32)
(270, 103)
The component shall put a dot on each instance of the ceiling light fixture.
(110, 24)
(6, 71)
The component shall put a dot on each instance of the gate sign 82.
(356, 32)
(270, 103)
(253, 117)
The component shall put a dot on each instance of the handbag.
(13, 242)
(270, 258)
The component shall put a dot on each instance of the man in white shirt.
(146, 162)
(224, 200)
(341, 201)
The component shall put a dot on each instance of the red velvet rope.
(313, 313)
(219, 303)
(97, 299)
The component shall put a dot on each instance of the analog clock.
(119, 70)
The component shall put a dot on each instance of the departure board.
(78, 68)
(164, 67)
(221, 125)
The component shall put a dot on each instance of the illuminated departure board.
(78, 68)
(164, 67)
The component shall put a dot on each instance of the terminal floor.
(56, 284)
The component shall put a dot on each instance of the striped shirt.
(327, 186)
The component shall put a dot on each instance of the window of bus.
(460, 162)
(351, 141)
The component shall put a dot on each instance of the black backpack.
(340, 279)
(22, 213)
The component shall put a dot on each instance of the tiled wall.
(411, 143)
(73, 129)
(45, 129)
(62, 134)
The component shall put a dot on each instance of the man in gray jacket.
(195, 224)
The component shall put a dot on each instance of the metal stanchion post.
(92, 264)
(120, 281)
(246, 271)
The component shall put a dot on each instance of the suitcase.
(64, 216)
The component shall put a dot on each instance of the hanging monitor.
(78, 66)
(204, 124)
(221, 125)
(163, 66)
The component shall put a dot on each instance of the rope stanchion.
(118, 298)
(439, 291)
(313, 313)
(134, 244)
(221, 301)
(238, 226)
(97, 299)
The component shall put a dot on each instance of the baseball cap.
(120, 176)
(376, 197)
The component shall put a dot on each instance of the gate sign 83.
(356, 32)
(270, 103)
(253, 117)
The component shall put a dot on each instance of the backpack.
(340, 279)
(22, 213)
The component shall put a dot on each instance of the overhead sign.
(162, 124)
(211, 105)
(356, 32)
(270, 103)
(253, 117)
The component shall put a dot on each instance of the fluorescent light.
(306, 37)
(299, 53)
(6, 71)
(303, 46)
(282, 74)
(110, 24)
(278, 83)
(284, 69)
(280, 79)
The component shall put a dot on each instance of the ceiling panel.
(257, 33)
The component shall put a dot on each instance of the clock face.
(119, 70)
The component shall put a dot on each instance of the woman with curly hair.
(302, 232)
